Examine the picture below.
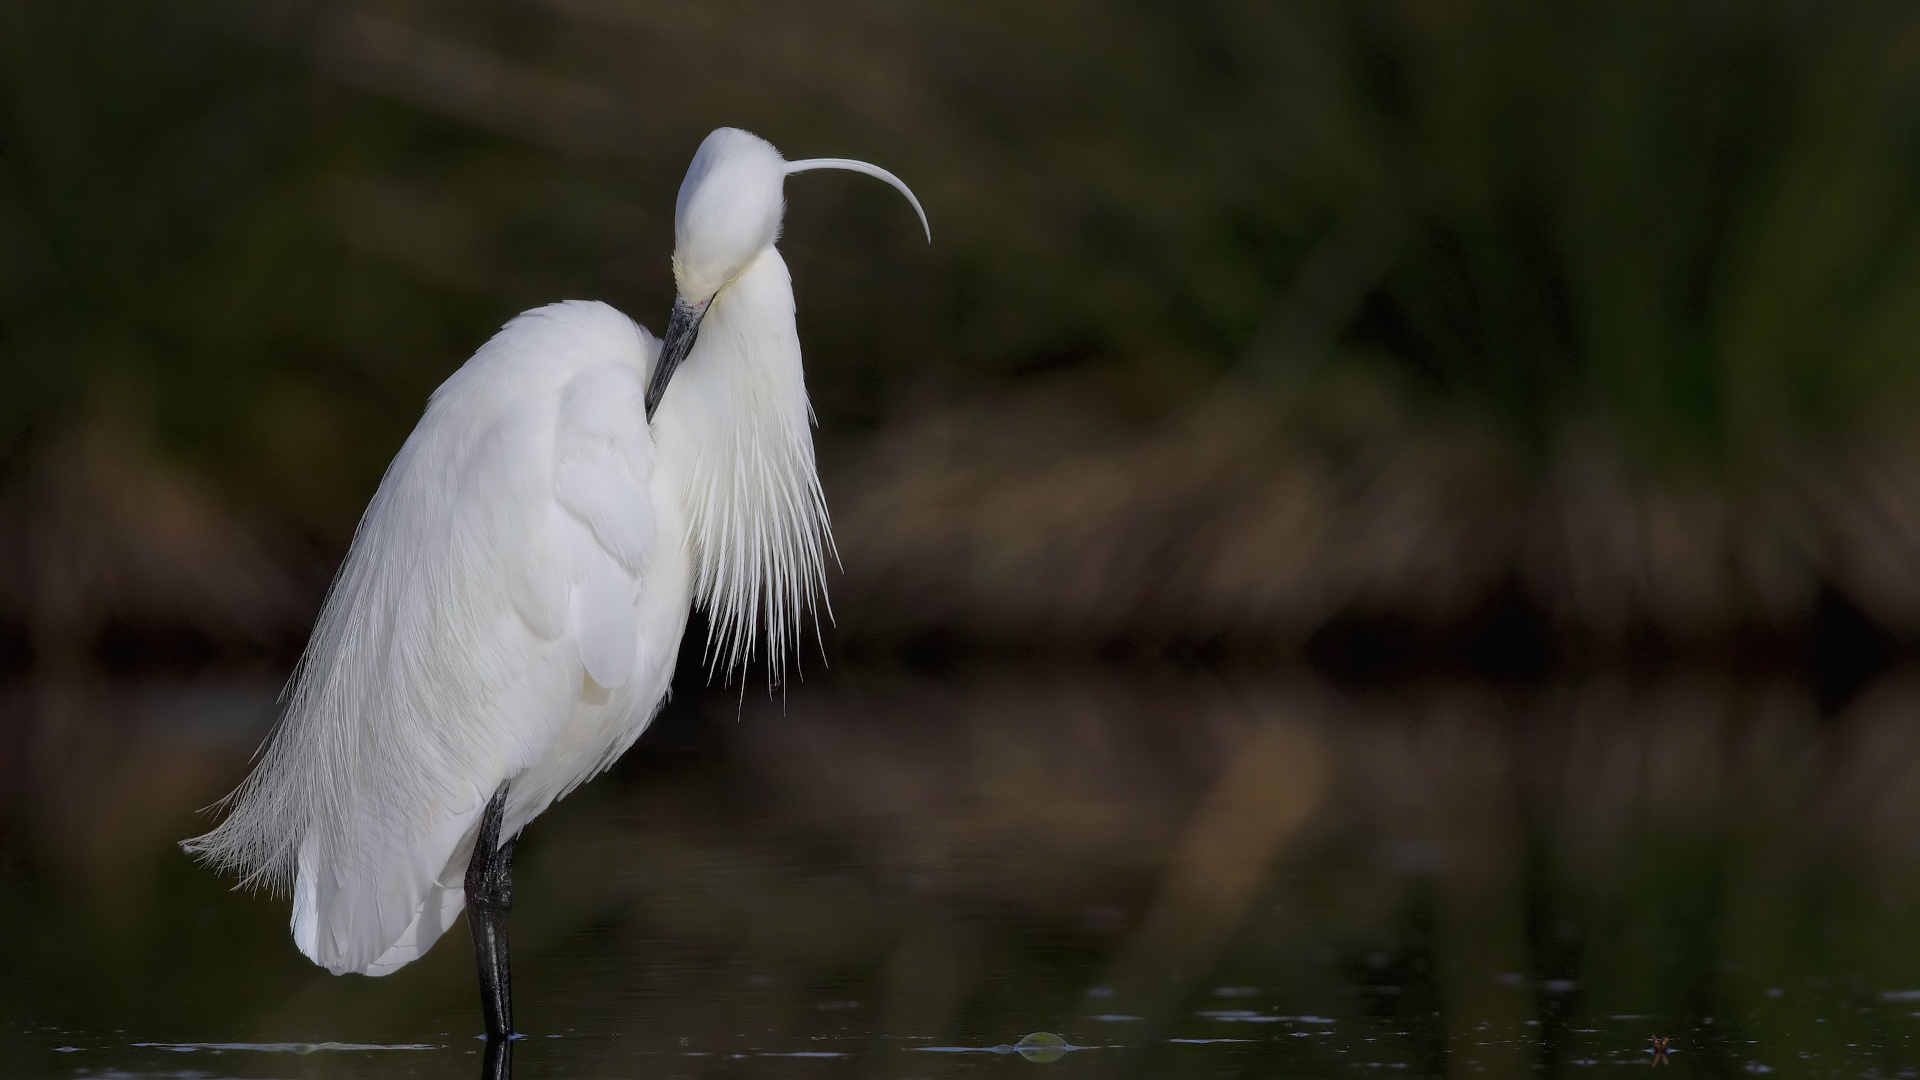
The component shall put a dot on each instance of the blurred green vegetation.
(273, 227)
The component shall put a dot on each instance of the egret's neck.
(734, 433)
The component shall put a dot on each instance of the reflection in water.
(1190, 874)
(498, 1062)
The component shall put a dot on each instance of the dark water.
(1175, 876)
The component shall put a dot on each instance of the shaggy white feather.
(759, 522)
(510, 556)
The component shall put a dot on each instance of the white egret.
(506, 621)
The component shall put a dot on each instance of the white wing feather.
(496, 568)
(602, 465)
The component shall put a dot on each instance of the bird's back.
(510, 610)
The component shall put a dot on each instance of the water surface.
(1175, 875)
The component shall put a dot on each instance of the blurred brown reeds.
(1242, 319)
(1027, 521)
(104, 540)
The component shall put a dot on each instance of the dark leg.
(489, 898)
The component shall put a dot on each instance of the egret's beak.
(682, 329)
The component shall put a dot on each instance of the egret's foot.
(489, 898)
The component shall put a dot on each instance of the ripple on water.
(282, 1048)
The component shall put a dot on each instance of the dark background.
(1372, 493)
(1496, 334)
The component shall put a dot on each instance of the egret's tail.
(376, 919)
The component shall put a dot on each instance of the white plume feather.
(758, 521)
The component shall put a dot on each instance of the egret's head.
(729, 212)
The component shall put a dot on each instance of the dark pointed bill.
(682, 329)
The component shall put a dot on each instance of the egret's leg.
(489, 898)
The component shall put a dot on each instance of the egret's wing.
(603, 461)
(494, 573)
